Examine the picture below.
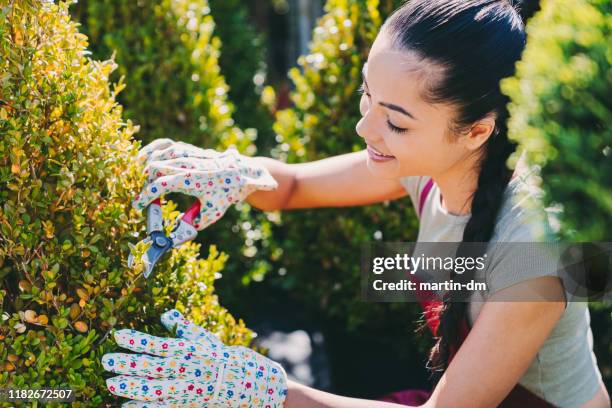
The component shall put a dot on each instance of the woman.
(432, 107)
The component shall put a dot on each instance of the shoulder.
(523, 216)
(523, 242)
(414, 184)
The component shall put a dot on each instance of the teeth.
(377, 152)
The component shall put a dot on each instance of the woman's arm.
(301, 396)
(499, 348)
(336, 181)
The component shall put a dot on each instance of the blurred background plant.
(561, 112)
(169, 49)
(243, 64)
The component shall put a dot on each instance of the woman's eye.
(362, 90)
(395, 128)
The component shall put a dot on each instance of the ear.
(480, 132)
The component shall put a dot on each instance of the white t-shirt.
(564, 372)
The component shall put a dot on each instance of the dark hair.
(476, 43)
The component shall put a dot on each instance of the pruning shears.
(160, 242)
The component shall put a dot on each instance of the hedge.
(68, 178)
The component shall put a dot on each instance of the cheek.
(403, 147)
(418, 152)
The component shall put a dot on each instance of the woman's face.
(397, 122)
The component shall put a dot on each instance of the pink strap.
(424, 195)
(427, 299)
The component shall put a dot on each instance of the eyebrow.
(385, 104)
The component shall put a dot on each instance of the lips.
(376, 155)
(379, 152)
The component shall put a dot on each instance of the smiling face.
(396, 120)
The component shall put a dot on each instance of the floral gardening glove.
(217, 179)
(194, 370)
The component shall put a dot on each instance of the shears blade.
(160, 242)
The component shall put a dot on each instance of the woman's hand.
(217, 179)
(194, 370)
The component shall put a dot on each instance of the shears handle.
(190, 215)
(184, 230)
(155, 220)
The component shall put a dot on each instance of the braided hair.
(477, 43)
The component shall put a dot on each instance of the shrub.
(560, 114)
(168, 54)
(68, 177)
(561, 111)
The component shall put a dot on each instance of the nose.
(359, 127)
(366, 130)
